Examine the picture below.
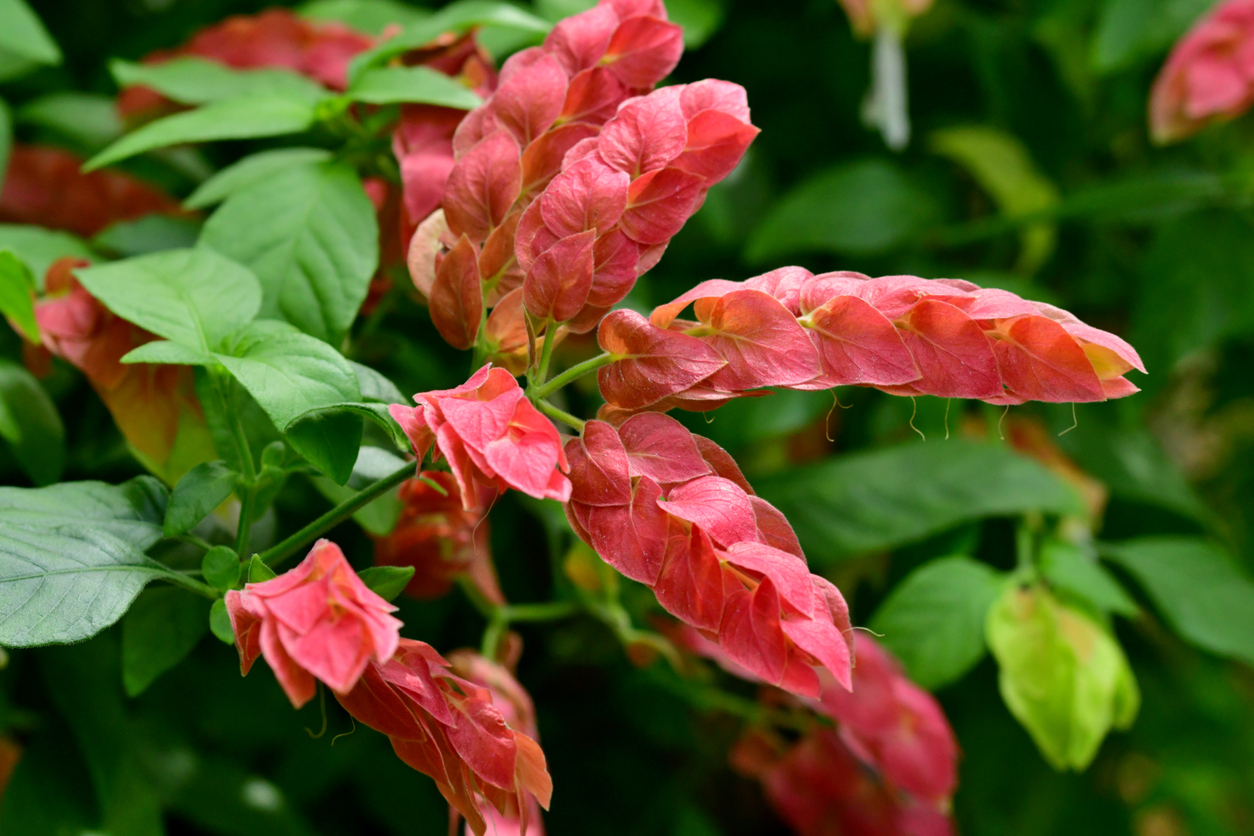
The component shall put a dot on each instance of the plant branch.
(573, 373)
(278, 553)
(560, 415)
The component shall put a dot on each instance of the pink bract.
(317, 621)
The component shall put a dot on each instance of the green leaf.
(455, 18)
(1061, 675)
(933, 621)
(66, 584)
(220, 622)
(250, 170)
(387, 581)
(379, 517)
(290, 374)
(17, 301)
(259, 572)
(246, 118)
(159, 630)
(311, 236)
(194, 81)
(376, 387)
(38, 248)
(149, 234)
(416, 85)
(371, 16)
(700, 19)
(376, 412)
(29, 421)
(1072, 569)
(1131, 30)
(1198, 589)
(859, 208)
(203, 488)
(887, 498)
(194, 297)
(221, 568)
(1004, 168)
(23, 34)
(131, 511)
(88, 121)
(164, 351)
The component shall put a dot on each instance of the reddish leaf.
(497, 264)
(542, 159)
(644, 50)
(659, 203)
(664, 315)
(716, 143)
(532, 237)
(578, 42)
(632, 538)
(558, 282)
(483, 740)
(533, 772)
(661, 448)
(952, 353)
(593, 97)
(750, 632)
(456, 296)
(616, 267)
(690, 585)
(718, 506)
(723, 465)
(713, 94)
(820, 638)
(483, 186)
(645, 135)
(529, 100)
(599, 472)
(761, 341)
(1040, 361)
(773, 527)
(824, 287)
(1126, 355)
(858, 345)
(423, 248)
(787, 572)
(784, 284)
(587, 195)
(655, 363)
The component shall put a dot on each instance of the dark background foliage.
(1155, 244)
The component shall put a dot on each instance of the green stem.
(559, 415)
(203, 589)
(247, 507)
(278, 553)
(573, 373)
(552, 611)
(195, 540)
(546, 352)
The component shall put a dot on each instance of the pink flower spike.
(316, 620)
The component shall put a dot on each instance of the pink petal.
(761, 341)
(1038, 360)
(483, 186)
(718, 506)
(632, 538)
(787, 572)
(655, 363)
(690, 585)
(952, 353)
(661, 448)
(646, 134)
(559, 280)
(457, 297)
(588, 195)
(528, 103)
(599, 467)
(750, 632)
(659, 204)
(644, 50)
(857, 344)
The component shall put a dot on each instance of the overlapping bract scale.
(903, 334)
(571, 179)
(671, 510)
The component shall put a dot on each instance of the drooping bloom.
(492, 436)
(895, 726)
(671, 510)
(44, 186)
(439, 538)
(902, 334)
(452, 729)
(318, 621)
(273, 38)
(1209, 76)
(154, 406)
(571, 178)
(820, 788)
(516, 708)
